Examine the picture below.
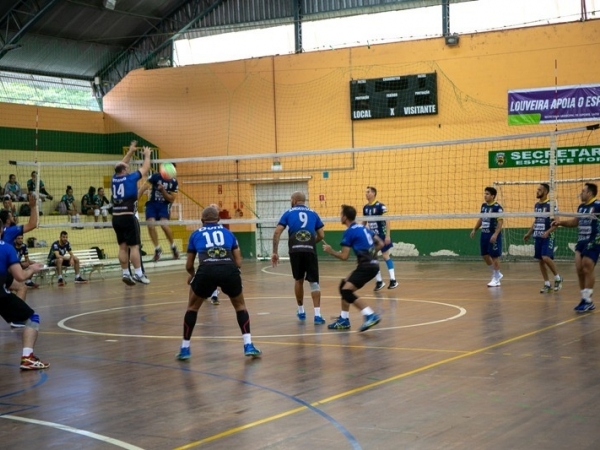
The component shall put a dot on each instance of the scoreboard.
(401, 96)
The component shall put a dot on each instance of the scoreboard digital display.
(401, 96)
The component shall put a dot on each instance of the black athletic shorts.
(305, 266)
(208, 277)
(127, 228)
(65, 263)
(13, 309)
(363, 274)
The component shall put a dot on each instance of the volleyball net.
(433, 191)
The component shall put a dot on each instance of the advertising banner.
(541, 157)
(551, 105)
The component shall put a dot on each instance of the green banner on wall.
(504, 159)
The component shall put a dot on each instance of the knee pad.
(348, 295)
(33, 322)
(96, 212)
(342, 283)
(104, 212)
(314, 286)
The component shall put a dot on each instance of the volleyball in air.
(168, 171)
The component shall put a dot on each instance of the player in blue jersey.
(587, 248)
(158, 207)
(365, 245)
(219, 263)
(10, 232)
(305, 229)
(13, 309)
(491, 235)
(11, 229)
(127, 228)
(543, 240)
(383, 230)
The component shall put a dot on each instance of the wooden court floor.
(452, 365)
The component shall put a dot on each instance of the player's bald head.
(298, 197)
(210, 215)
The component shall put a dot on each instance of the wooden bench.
(43, 259)
(88, 260)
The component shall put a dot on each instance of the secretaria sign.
(554, 104)
(541, 157)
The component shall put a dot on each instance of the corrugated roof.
(82, 39)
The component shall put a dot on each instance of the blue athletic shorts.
(158, 210)
(543, 247)
(487, 248)
(588, 251)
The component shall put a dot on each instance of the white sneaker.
(141, 279)
(500, 276)
(494, 283)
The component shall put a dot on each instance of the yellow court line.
(371, 347)
(373, 385)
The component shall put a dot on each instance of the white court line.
(58, 426)
(62, 324)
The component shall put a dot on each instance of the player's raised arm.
(130, 152)
(146, 165)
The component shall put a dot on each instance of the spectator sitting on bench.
(13, 189)
(88, 203)
(103, 206)
(23, 254)
(61, 256)
(31, 184)
(67, 205)
(7, 205)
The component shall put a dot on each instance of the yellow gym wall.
(301, 103)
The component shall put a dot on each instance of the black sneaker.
(379, 286)
(175, 253)
(214, 300)
(157, 254)
(393, 284)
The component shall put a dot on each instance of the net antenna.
(552, 173)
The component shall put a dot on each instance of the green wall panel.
(67, 142)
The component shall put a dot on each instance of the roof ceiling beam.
(154, 49)
(21, 17)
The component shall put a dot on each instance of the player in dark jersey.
(219, 263)
(23, 254)
(587, 248)
(491, 235)
(383, 230)
(365, 245)
(543, 240)
(127, 228)
(102, 206)
(158, 207)
(305, 229)
(61, 255)
(14, 309)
